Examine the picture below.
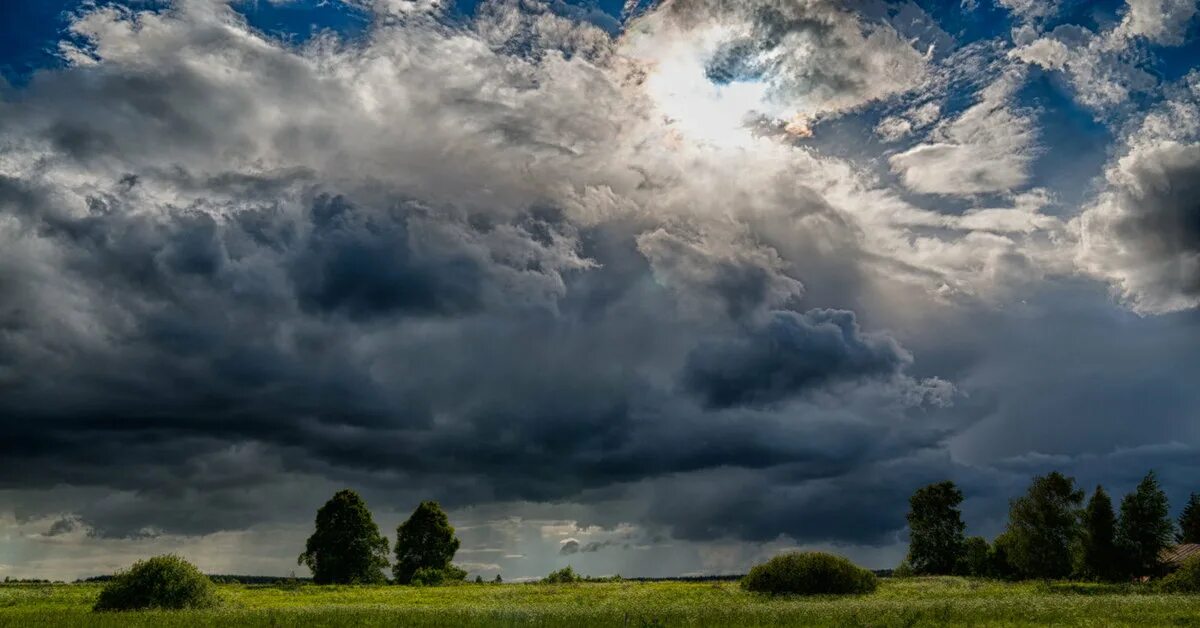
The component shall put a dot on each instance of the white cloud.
(988, 148)
(821, 61)
(895, 128)
(1104, 68)
(1160, 21)
(1141, 233)
(1031, 9)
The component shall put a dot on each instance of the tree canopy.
(936, 529)
(1145, 527)
(346, 547)
(1099, 557)
(977, 557)
(1189, 521)
(424, 542)
(1043, 527)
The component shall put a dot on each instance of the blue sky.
(685, 289)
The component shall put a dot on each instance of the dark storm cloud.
(235, 276)
(791, 352)
(171, 320)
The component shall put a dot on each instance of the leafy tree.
(1145, 527)
(346, 547)
(975, 557)
(425, 541)
(999, 565)
(498, 579)
(1044, 527)
(936, 529)
(479, 579)
(1099, 557)
(566, 575)
(1189, 521)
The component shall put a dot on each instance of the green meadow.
(935, 601)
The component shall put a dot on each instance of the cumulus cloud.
(789, 354)
(1141, 234)
(1160, 21)
(359, 260)
(1106, 68)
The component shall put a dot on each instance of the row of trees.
(347, 547)
(1050, 533)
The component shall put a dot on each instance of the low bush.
(566, 575)
(1186, 579)
(162, 582)
(432, 577)
(809, 573)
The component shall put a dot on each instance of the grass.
(898, 602)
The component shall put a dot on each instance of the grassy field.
(898, 602)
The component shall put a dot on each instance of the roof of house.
(1179, 553)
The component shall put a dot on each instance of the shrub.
(434, 577)
(566, 575)
(809, 573)
(162, 582)
(1186, 579)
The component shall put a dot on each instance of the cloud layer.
(628, 279)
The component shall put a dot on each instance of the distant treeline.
(1051, 533)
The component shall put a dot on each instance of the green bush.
(809, 573)
(566, 575)
(1186, 579)
(162, 582)
(434, 577)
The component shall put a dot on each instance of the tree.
(566, 575)
(426, 541)
(1044, 527)
(999, 566)
(976, 557)
(346, 547)
(1189, 521)
(1098, 557)
(935, 529)
(1145, 527)
(498, 579)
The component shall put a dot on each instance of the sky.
(646, 288)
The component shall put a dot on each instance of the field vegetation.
(918, 601)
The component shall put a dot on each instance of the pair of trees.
(347, 547)
(1049, 534)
